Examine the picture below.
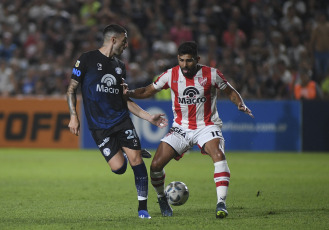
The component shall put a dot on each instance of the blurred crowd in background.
(267, 49)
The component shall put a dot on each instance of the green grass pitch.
(75, 189)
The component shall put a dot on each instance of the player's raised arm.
(74, 124)
(141, 93)
(236, 98)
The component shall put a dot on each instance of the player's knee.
(121, 170)
(216, 155)
(156, 167)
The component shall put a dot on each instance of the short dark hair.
(188, 48)
(114, 29)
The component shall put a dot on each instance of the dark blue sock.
(141, 182)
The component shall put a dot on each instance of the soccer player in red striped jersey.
(196, 121)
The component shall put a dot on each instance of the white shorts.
(183, 139)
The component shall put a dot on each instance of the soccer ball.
(177, 193)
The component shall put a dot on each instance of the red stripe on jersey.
(222, 174)
(221, 75)
(222, 183)
(191, 108)
(166, 86)
(174, 88)
(206, 72)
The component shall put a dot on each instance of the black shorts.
(110, 141)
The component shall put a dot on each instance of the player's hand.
(74, 125)
(242, 107)
(159, 120)
(124, 86)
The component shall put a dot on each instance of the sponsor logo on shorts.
(106, 152)
(178, 131)
(107, 139)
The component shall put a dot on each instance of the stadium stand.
(261, 46)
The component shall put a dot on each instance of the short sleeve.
(162, 81)
(220, 81)
(79, 68)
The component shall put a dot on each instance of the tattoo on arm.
(72, 97)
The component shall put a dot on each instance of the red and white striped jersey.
(193, 100)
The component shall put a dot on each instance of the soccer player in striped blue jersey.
(101, 76)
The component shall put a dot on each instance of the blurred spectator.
(257, 51)
(88, 12)
(212, 14)
(39, 9)
(40, 87)
(277, 57)
(291, 21)
(251, 89)
(307, 89)
(7, 46)
(179, 32)
(285, 76)
(320, 46)
(295, 48)
(135, 39)
(274, 87)
(298, 5)
(106, 13)
(277, 48)
(7, 82)
(233, 37)
(165, 46)
(29, 81)
(140, 13)
(244, 39)
(136, 77)
(91, 41)
(213, 51)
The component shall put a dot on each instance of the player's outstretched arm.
(71, 97)
(236, 98)
(155, 119)
(140, 93)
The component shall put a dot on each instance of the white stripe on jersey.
(193, 100)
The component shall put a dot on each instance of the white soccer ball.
(177, 193)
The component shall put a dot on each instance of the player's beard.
(189, 73)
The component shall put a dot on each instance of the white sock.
(222, 179)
